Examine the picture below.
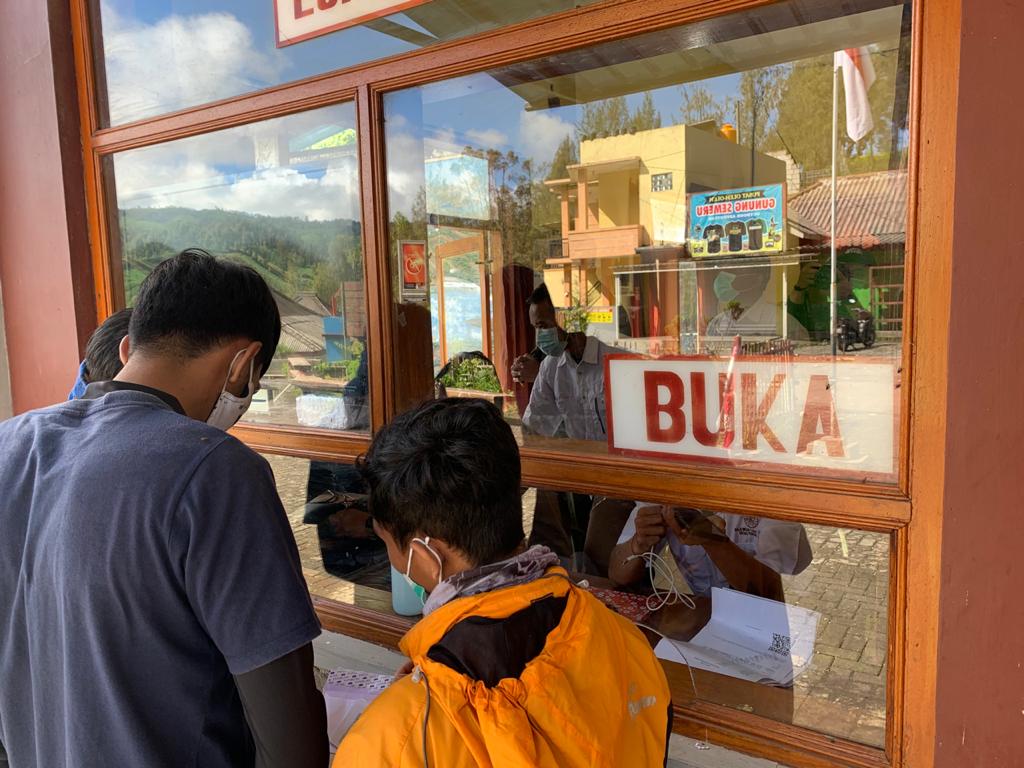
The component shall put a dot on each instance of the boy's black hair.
(448, 469)
(540, 295)
(193, 302)
(103, 350)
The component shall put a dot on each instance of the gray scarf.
(521, 569)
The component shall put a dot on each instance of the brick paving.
(843, 692)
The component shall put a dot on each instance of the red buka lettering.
(755, 414)
(722, 437)
(326, 5)
(654, 383)
(820, 408)
(301, 12)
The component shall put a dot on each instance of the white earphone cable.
(658, 567)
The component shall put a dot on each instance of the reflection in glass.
(786, 620)
(327, 510)
(164, 55)
(282, 197)
(673, 193)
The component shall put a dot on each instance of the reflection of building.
(301, 325)
(627, 197)
(871, 234)
(629, 191)
(929, 606)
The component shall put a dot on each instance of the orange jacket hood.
(594, 695)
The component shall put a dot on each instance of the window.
(672, 191)
(281, 196)
(676, 207)
(661, 182)
(784, 620)
(164, 55)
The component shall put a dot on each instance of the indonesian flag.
(858, 77)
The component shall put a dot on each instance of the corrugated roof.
(302, 329)
(871, 209)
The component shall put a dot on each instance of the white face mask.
(229, 408)
(421, 593)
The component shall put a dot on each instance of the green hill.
(292, 254)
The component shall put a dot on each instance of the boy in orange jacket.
(512, 664)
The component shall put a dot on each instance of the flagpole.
(832, 234)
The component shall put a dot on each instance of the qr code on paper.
(780, 644)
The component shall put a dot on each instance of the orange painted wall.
(42, 209)
(980, 685)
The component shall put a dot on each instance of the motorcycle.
(858, 329)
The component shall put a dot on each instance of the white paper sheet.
(751, 638)
(347, 693)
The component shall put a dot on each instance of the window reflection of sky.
(478, 112)
(225, 170)
(164, 55)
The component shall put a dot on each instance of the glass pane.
(780, 619)
(281, 196)
(158, 56)
(336, 545)
(341, 556)
(673, 194)
(785, 620)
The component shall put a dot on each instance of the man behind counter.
(150, 586)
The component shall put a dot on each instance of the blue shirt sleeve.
(242, 572)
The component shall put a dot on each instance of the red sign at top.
(299, 20)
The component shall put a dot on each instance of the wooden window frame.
(910, 511)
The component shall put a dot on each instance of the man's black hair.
(541, 295)
(448, 469)
(103, 350)
(192, 302)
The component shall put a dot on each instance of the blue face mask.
(549, 343)
(724, 289)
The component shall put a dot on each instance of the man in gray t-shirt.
(153, 606)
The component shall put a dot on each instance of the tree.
(699, 105)
(804, 121)
(326, 281)
(646, 117)
(609, 117)
(567, 154)
(758, 102)
(293, 279)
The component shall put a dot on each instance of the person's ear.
(124, 350)
(429, 560)
(244, 365)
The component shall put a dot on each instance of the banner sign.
(737, 221)
(807, 413)
(414, 269)
(299, 20)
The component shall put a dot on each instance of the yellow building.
(629, 191)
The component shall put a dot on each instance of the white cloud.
(540, 133)
(247, 169)
(269, 192)
(180, 61)
(488, 139)
(405, 172)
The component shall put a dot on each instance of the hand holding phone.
(525, 369)
(694, 526)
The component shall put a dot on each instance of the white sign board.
(811, 413)
(299, 20)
